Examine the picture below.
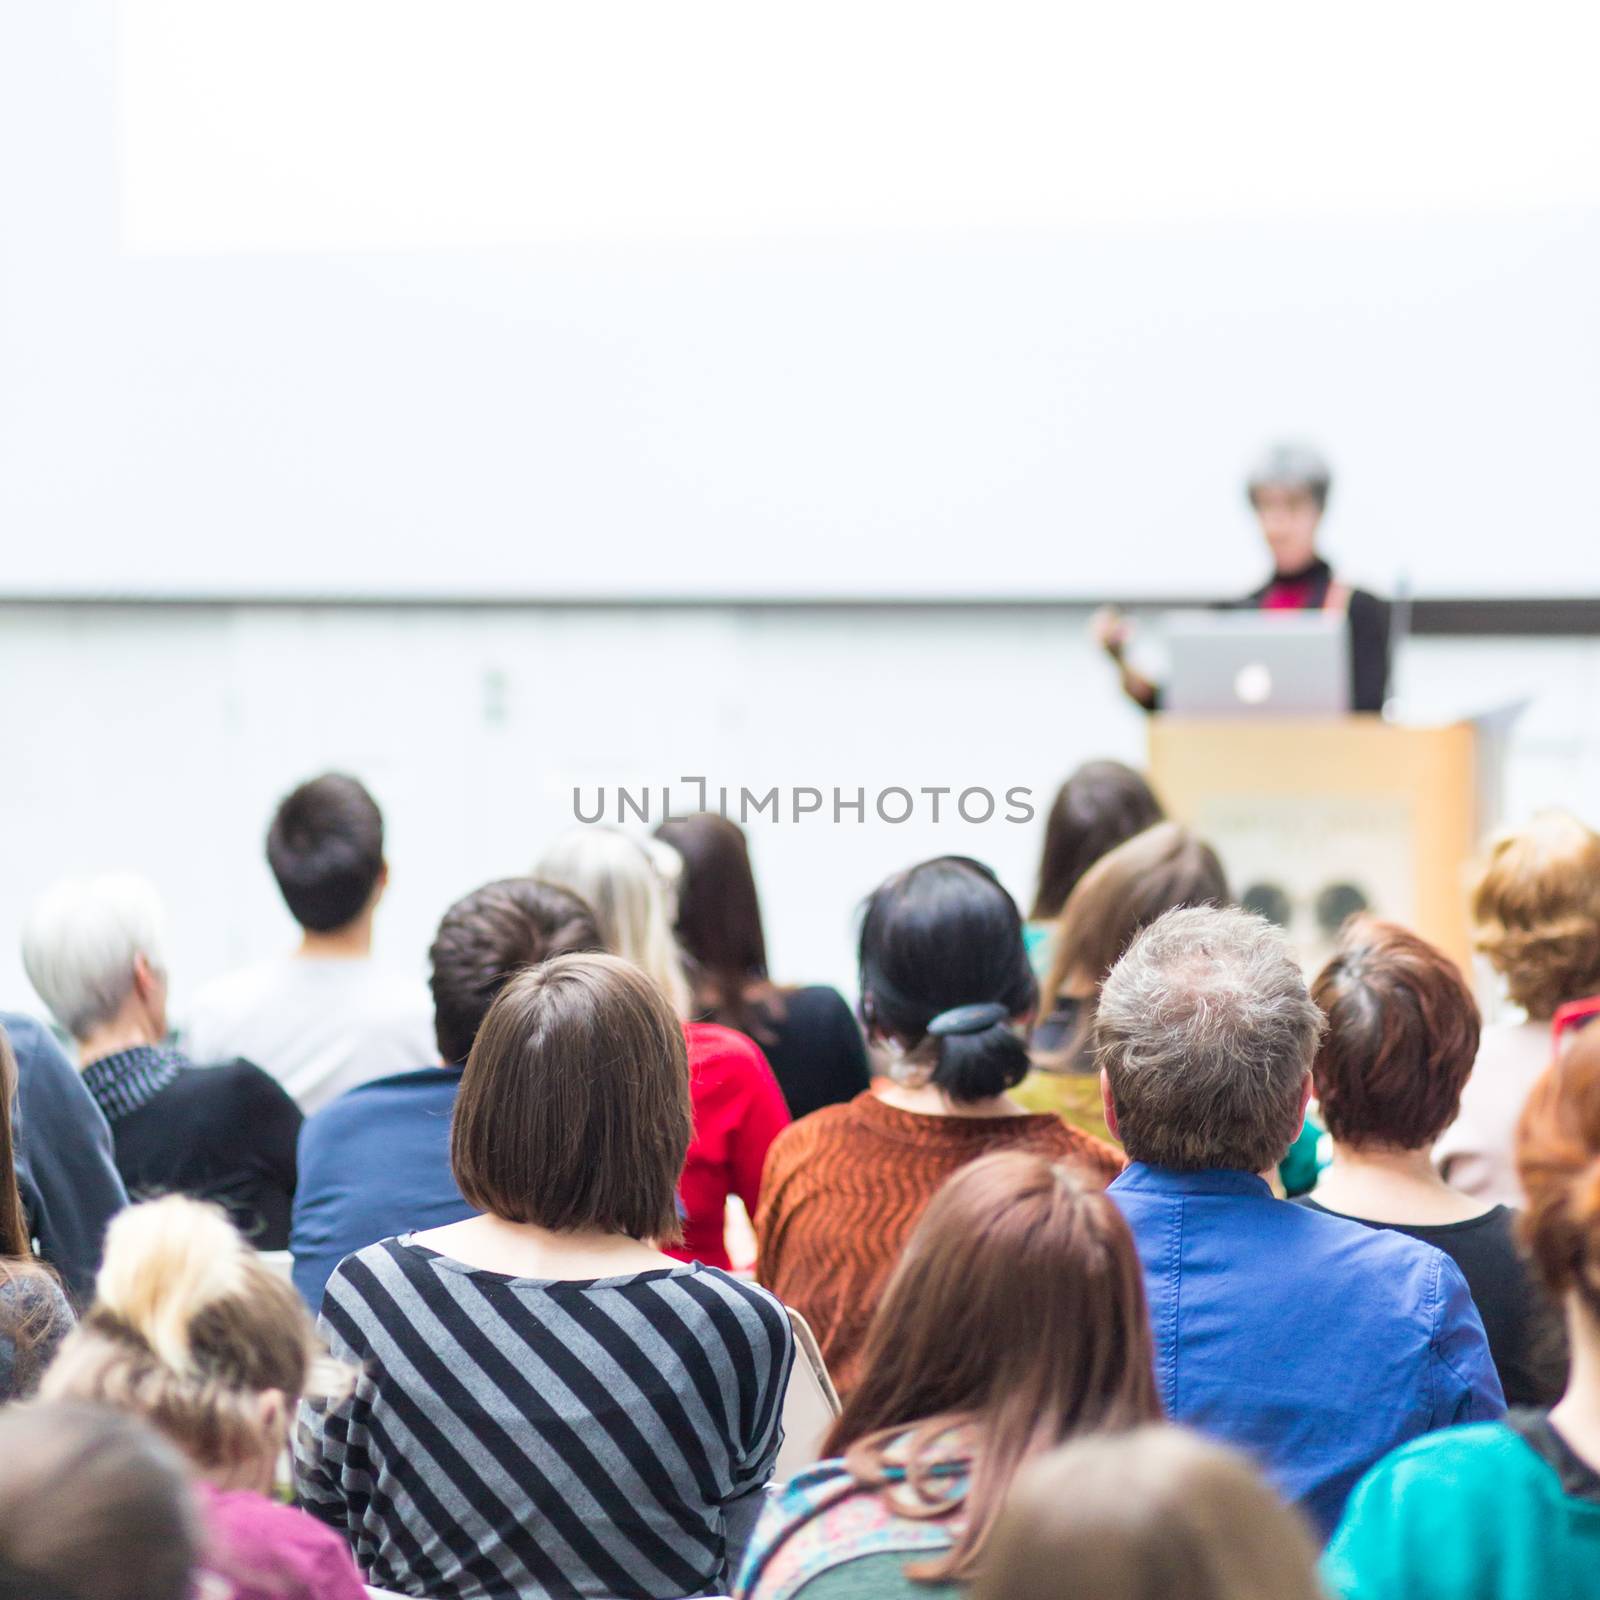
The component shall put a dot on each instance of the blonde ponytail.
(167, 1262)
(189, 1330)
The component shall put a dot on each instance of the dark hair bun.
(944, 971)
(980, 1065)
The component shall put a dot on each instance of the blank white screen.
(393, 297)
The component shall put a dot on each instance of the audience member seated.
(66, 1170)
(93, 1506)
(1314, 1342)
(738, 1106)
(1536, 911)
(1015, 1319)
(1156, 1514)
(1100, 805)
(193, 1332)
(599, 1419)
(1508, 1511)
(1125, 890)
(1402, 1035)
(809, 1036)
(327, 1016)
(34, 1314)
(947, 990)
(93, 949)
(377, 1161)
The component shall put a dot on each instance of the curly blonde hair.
(1536, 911)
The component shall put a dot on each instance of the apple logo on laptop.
(1253, 685)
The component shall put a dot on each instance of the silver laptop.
(1257, 663)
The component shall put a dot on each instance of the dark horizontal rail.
(1519, 618)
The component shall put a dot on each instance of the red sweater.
(738, 1111)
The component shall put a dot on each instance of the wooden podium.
(1313, 817)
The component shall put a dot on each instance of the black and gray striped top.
(514, 1438)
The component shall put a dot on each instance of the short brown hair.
(1159, 1511)
(95, 1505)
(489, 936)
(1155, 871)
(1536, 910)
(1402, 1037)
(573, 1110)
(1018, 1307)
(1558, 1161)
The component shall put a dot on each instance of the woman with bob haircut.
(191, 1331)
(947, 991)
(1402, 1035)
(1155, 871)
(1536, 916)
(1015, 1320)
(1507, 1510)
(549, 1404)
(809, 1035)
(1156, 1512)
(738, 1107)
(1100, 805)
(93, 1506)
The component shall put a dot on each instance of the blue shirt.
(66, 1171)
(373, 1164)
(1311, 1342)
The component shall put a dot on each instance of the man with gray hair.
(1313, 1342)
(92, 947)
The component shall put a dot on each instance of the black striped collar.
(131, 1079)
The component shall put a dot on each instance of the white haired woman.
(92, 947)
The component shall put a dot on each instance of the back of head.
(573, 1112)
(719, 915)
(1018, 1307)
(1100, 805)
(1206, 1033)
(1558, 1161)
(945, 976)
(621, 884)
(1402, 1037)
(80, 941)
(489, 936)
(1156, 871)
(93, 1506)
(325, 848)
(190, 1329)
(1147, 1515)
(1536, 911)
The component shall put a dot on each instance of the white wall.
(159, 738)
(384, 298)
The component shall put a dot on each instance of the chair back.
(280, 1261)
(810, 1404)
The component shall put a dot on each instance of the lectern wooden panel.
(1312, 818)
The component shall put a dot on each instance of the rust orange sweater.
(844, 1187)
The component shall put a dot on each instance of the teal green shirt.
(1036, 941)
(1494, 1511)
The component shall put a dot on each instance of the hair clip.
(969, 1019)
